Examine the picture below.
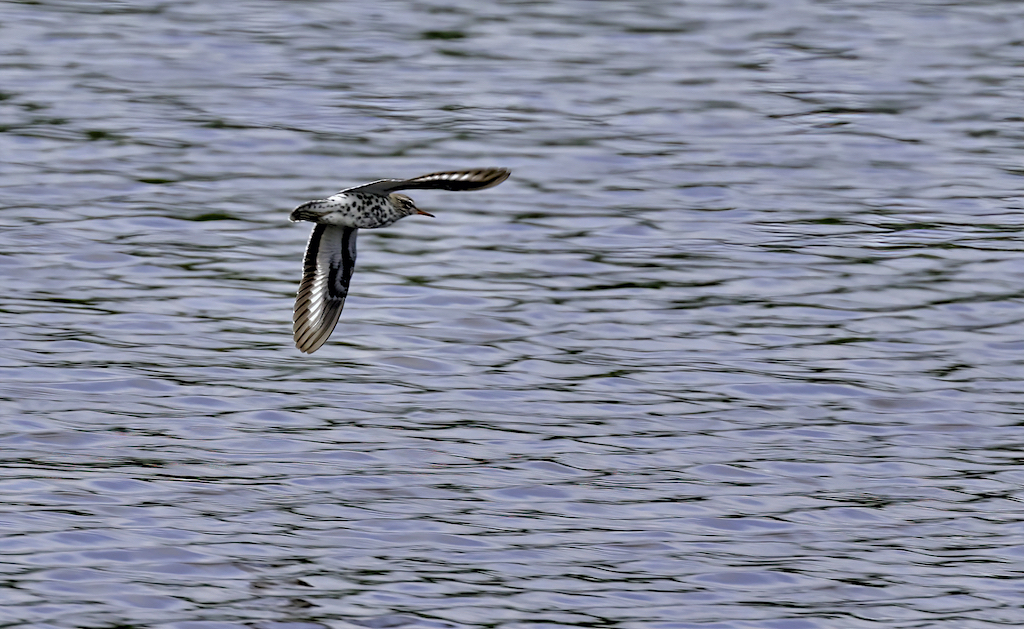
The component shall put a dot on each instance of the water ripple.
(736, 346)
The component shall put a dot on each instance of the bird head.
(406, 205)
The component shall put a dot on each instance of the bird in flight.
(331, 252)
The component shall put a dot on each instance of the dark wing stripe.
(476, 179)
(326, 273)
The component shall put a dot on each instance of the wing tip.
(310, 335)
(501, 174)
(308, 339)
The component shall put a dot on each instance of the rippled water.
(739, 345)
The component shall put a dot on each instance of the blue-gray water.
(740, 345)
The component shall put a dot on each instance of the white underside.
(342, 214)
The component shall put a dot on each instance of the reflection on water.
(737, 346)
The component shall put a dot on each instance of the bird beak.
(419, 211)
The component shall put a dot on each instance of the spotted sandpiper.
(331, 252)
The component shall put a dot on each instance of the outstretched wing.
(476, 179)
(326, 271)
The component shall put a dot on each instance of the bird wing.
(476, 179)
(326, 272)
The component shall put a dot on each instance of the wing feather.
(326, 272)
(458, 180)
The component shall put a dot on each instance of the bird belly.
(339, 218)
(342, 210)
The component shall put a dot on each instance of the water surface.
(737, 346)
